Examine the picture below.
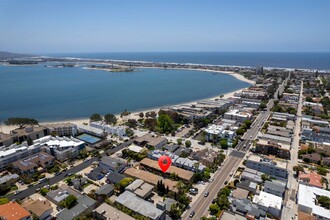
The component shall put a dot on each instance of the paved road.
(201, 206)
(31, 190)
(290, 208)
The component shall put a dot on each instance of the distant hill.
(6, 55)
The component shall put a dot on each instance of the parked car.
(192, 214)
(206, 194)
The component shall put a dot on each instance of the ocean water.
(50, 94)
(320, 61)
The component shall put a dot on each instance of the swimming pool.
(88, 138)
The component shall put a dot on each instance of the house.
(312, 158)
(58, 195)
(32, 163)
(107, 212)
(226, 215)
(252, 175)
(79, 182)
(269, 203)
(270, 167)
(112, 164)
(311, 179)
(84, 205)
(14, 211)
(140, 206)
(240, 193)
(307, 195)
(106, 190)
(247, 209)
(8, 179)
(96, 174)
(140, 188)
(114, 177)
(248, 185)
(326, 161)
(151, 141)
(276, 188)
(41, 208)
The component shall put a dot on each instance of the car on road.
(192, 214)
(206, 194)
(17, 192)
(38, 189)
(58, 173)
(251, 136)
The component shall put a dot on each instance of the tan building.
(41, 208)
(272, 148)
(31, 164)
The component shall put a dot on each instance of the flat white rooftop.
(268, 200)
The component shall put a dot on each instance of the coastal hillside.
(9, 55)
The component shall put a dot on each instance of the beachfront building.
(19, 135)
(62, 148)
(110, 129)
(189, 112)
(62, 129)
(98, 132)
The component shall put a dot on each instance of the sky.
(41, 26)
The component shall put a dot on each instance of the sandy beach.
(135, 115)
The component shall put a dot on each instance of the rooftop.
(38, 207)
(307, 197)
(110, 212)
(313, 179)
(184, 174)
(266, 160)
(13, 211)
(131, 201)
(268, 200)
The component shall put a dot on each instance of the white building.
(91, 130)
(269, 203)
(307, 197)
(16, 152)
(216, 132)
(275, 168)
(110, 129)
(62, 148)
(238, 116)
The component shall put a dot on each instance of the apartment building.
(273, 168)
(237, 115)
(62, 129)
(273, 148)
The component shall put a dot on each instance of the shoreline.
(135, 115)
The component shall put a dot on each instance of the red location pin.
(164, 163)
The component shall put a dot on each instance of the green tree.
(69, 202)
(150, 123)
(175, 212)
(324, 201)
(248, 123)
(110, 119)
(240, 131)
(188, 143)
(179, 141)
(95, 117)
(132, 123)
(124, 113)
(298, 169)
(4, 201)
(321, 170)
(141, 114)
(121, 185)
(165, 123)
(224, 143)
(214, 209)
(21, 122)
